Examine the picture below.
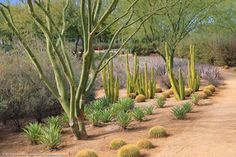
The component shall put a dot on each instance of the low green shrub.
(138, 114)
(145, 144)
(128, 103)
(129, 150)
(54, 122)
(95, 118)
(33, 132)
(86, 153)
(195, 98)
(123, 119)
(106, 116)
(156, 132)
(117, 143)
(179, 112)
(160, 102)
(148, 110)
(187, 107)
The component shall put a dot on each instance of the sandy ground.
(209, 131)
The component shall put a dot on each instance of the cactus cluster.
(140, 82)
(178, 86)
(110, 83)
(193, 77)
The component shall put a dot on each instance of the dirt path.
(214, 133)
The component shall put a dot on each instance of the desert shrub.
(160, 102)
(106, 116)
(195, 98)
(187, 107)
(54, 122)
(123, 119)
(208, 92)
(179, 112)
(50, 137)
(140, 98)
(188, 92)
(144, 144)
(156, 132)
(148, 110)
(127, 103)
(117, 143)
(33, 132)
(211, 74)
(129, 151)
(86, 153)
(95, 117)
(131, 95)
(165, 81)
(99, 104)
(138, 114)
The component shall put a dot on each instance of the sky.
(12, 1)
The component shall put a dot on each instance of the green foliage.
(187, 107)
(117, 143)
(195, 98)
(123, 119)
(33, 132)
(129, 151)
(179, 112)
(160, 102)
(138, 114)
(157, 131)
(110, 83)
(144, 144)
(54, 122)
(106, 116)
(86, 153)
(95, 118)
(123, 105)
(50, 137)
(148, 110)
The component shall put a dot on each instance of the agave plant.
(106, 116)
(148, 110)
(123, 119)
(33, 132)
(179, 112)
(138, 114)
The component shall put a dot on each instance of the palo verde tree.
(94, 14)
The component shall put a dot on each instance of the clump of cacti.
(129, 150)
(145, 144)
(140, 82)
(110, 83)
(176, 85)
(117, 143)
(193, 77)
(140, 98)
(157, 131)
(86, 153)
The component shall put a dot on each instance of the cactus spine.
(193, 77)
(178, 87)
(110, 83)
(140, 82)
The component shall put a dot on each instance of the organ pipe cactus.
(177, 86)
(193, 77)
(110, 83)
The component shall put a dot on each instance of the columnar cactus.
(193, 77)
(178, 87)
(110, 83)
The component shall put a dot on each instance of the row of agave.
(144, 83)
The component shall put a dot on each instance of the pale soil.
(209, 131)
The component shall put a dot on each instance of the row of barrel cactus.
(193, 77)
(140, 82)
(178, 86)
(110, 83)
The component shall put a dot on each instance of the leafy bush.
(140, 98)
(86, 153)
(138, 114)
(195, 98)
(123, 119)
(50, 137)
(145, 144)
(160, 102)
(179, 112)
(156, 132)
(33, 132)
(129, 151)
(148, 110)
(117, 143)
(187, 107)
(106, 116)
